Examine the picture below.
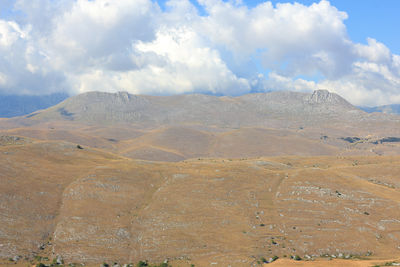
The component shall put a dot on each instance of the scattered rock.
(59, 260)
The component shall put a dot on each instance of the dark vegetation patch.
(66, 113)
(355, 139)
(324, 137)
(350, 139)
(387, 140)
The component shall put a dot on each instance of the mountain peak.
(323, 96)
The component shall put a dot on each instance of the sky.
(235, 47)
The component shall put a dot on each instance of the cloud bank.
(226, 48)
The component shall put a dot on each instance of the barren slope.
(97, 207)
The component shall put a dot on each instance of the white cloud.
(10, 32)
(232, 49)
(186, 65)
(3, 79)
(374, 51)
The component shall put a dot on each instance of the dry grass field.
(91, 206)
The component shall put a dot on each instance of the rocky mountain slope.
(248, 110)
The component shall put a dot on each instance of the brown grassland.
(91, 206)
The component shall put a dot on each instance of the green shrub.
(297, 258)
(142, 264)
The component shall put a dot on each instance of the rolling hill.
(199, 179)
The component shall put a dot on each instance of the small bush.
(142, 264)
(297, 258)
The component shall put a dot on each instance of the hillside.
(92, 206)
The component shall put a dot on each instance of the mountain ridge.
(387, 109)
(246, 110)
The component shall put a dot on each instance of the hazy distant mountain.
(280, 109)
(389, 109)
(16, 105)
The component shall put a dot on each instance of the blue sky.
(378, 19)
(350, 47)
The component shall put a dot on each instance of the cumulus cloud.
(226, 48)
